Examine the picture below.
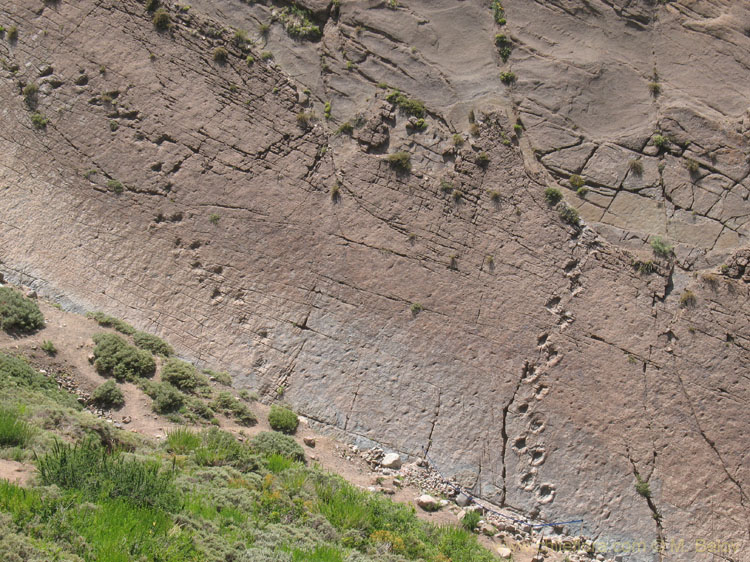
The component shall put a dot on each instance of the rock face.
(447, 310)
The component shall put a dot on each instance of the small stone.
(309, 441)
(312, 457)
(503, 551)
(463, 500)
(31, 294)
(391, 460)
(91, 358)
(428, 503)
(126, 419)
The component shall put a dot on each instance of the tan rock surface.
(544, 377)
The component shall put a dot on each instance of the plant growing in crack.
(642, 487)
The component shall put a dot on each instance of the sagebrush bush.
(283, 419)
(114, 357)
(570, 215)
(576, 181)
(406, 104)
(661, 248)
(182, 375)
(108, 395)
(166, 398)
(152, 343)
(271, 442)
(18, 313)
(161, 20)
(221, 55)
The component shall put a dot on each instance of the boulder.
(428, 503)
(391, 460)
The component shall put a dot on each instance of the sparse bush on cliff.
(636, 166)
(576, 181)
(553, 195)
(108, 395)
(401, 161)
(221, 55)
(570, 215)
(661, 248)
(166, 398)
(406, 104)
(182, 375)
(283, 419)
(18, 313)
(161, 20)
(642, 487)
(116, 358)
(111, 322)
(230, 406)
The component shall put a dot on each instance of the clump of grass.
(471, 520)
(13, 34)
(553, 195)
(446, 186)
(223, 378)
(406, 104)
(582, 191)
(660, 141)
(418, 125)
(504, 45)
(49, 348)
(458, 140)
(114, 357)
(240, 38)
(214, 218)
(392, 4)
(642, 487)
(336, 192)
(688, 299)
(152, 343)
(116, 186)
(39, 121)
(282, 419)
(327, 110)
(692, 166)
(483, 159)
(576, 181)
(494, 196)
(14, 432)
(161, 20)
(97, 473)
(655, 88)
(266, 55)
(636, 166)
(108, 321)
(183, 440)
(305, 119)
(345, 128)
(661, 248)
(30, 92)
(457, 195)
(401, 161)
(19, 314)
(298, 23)
(507, 77)
(647, 266)
(152, 5)
(108, 395)
(250, 60)
(416, 308)
(220, 55)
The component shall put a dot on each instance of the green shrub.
(405, 104)
(507, 77)
(114, 357)
(30, 92)
(400, 160)
(688, 299)
(97, 473)
(221, 448)
(152, 5)
(270, 442)
(111, 322)
(661, 248)
(498, 13)
(182, 375)
(654, 88)
(483, 159)
(166, 398)
(19, 314)
(108, 395)
(553, 195)
(14, 432)
(283, 419)
(458, 139)
(224, 379)
(161, 20)
(298, 23)
(39, 121)
(152, 343)
(12, 34)
(49, 348)
(692, 166)
(345, 129)
(644, 266)
(266, 55)
(229, 405)
(471, 520)
(416, 308)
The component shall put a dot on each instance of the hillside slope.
(449, 309)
